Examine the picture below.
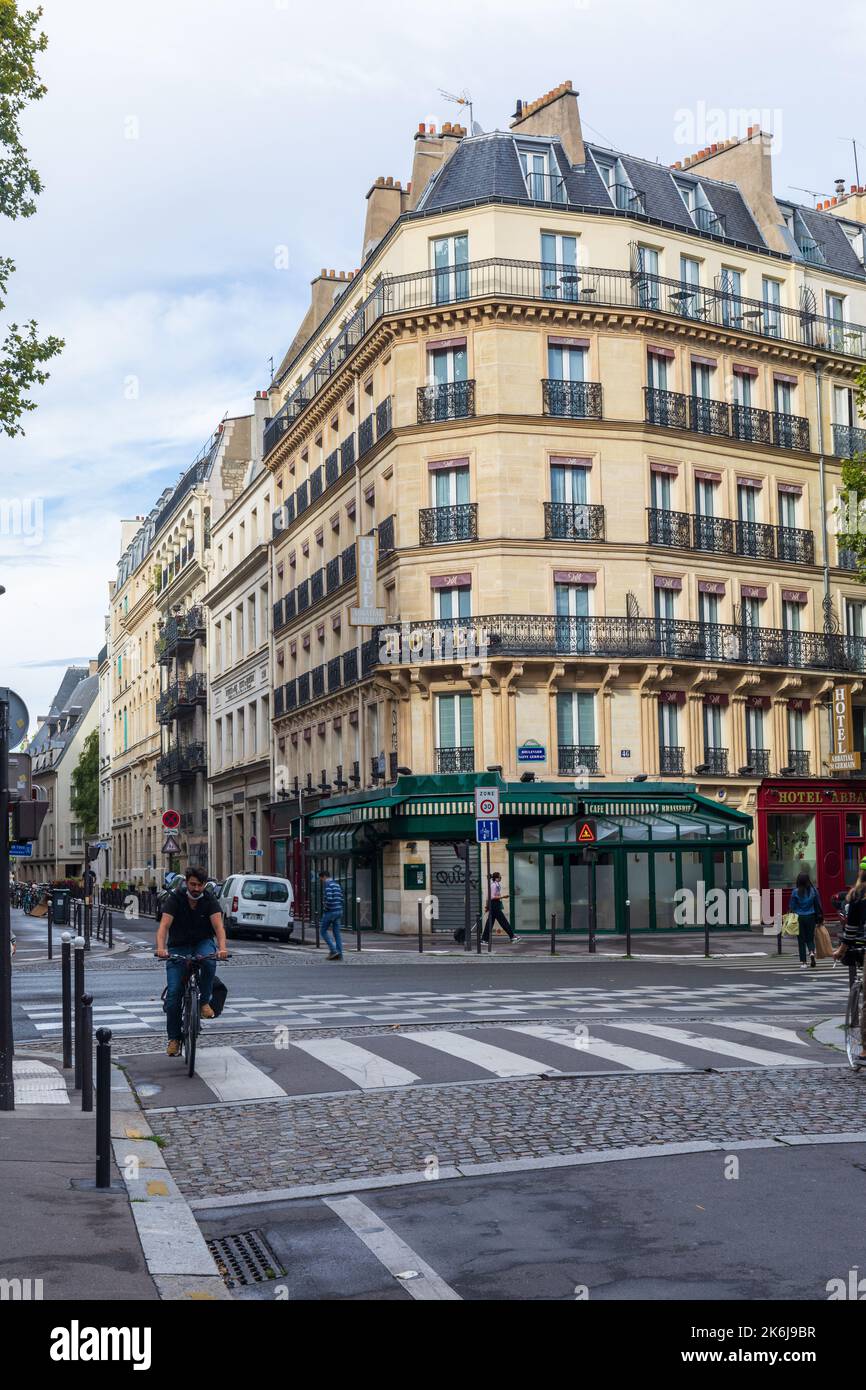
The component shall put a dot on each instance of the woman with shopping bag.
(806, 903)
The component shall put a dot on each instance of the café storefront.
(814, 825)
(650, 841)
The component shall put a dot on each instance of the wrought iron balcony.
(279, 699)
(812, 251)
(720, 536)
(443, 525)
(790, 431)
(577, 757)
(749, 424)
(317, 586)
(450, 400)
(332, 574)
(278, 620)
(628, 199)
(573, 521)
(347, 453)
(386, 535)
(302, 595)
(672, 760)
(278, 521)
(665, 408)
(384, 422)
(180, 629)
(181, 697)
(365, 435)
(332, 467)
(317, 483)
(455, 759)
(848, 440)
(621, 638)
(798, 761)
(546, 188)
(847, 560)
(708, 416)
(302, 497)
(716, 762)
(708, 221)
(317, 681)
(181, 764)
(573, 400)
(758, 759)
(348, 563)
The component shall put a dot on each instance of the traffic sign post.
(486, 814)
(171, 820)
(587, 832)
(170, 845)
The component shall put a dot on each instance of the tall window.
(788, 509)
(567, 484)
(449, 487)
(665, 604)
(855, 617)
(647, 270)
(453, 603)
(702, 380)
(543, 179)
(575, 719)
(690, 282)
(836, 315)
(559, 276)
(450, 257)
(771, 293)
(566, 363)
(731, 285)
(783, 397)
(571, 605)
(713, 736)
(754, 729)
(742, 390)
(657, 371)
(454, 732)
(447, 364)
(746, 503)
(669, 727)
(796, 731)
(705, 497)
(660, 488)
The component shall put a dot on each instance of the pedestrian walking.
(332, 914)
(495, 910)
(806, 903)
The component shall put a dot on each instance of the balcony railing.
(708, 221)
(442, 525)
(758, 759)
(847, 560)
(332, 467)
(181, 697)
(365, 435)
(798, 761)
(574, 400)
(715, 762)
(450, 400)
(628, 199)
(181, 764)
(848, 440)
(332, 574)
(607, 288)
(347, 453)
(813, 252)
(621, 638)
(384, 423)
(705, 416)
(317, 484)
(386, 535)
(179, 629)
(455, 759)
(278, 522)
(577, 757)
(546, 188)
(573, 521)
(672, 760)
(720, 536)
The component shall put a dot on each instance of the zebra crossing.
(810, 991)
(401, 1059)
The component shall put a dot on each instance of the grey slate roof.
(78, 690)
(838, 251)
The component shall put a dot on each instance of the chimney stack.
(555, 114)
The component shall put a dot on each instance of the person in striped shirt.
(332, 914)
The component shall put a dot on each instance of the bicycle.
(190, 1015)
(854, 1044)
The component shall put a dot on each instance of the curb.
(175, 1251)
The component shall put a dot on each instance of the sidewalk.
(31, 940)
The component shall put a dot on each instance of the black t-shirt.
(190, 921)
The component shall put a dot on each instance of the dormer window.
(544, 182)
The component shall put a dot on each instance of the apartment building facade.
(55, 749)
(238, 606)
(594, 412)
(102, 865)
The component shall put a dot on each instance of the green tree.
(849, 521)
(22, 352)
(85, 785)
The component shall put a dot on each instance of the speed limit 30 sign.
(486, 814)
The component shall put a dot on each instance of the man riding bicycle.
(191, 925)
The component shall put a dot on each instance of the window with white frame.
(449, 487)
(575, 719)
(559, 276)
(452, 601)
(855, 617)
(449, 258)
(454, 721)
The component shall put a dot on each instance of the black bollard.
(628, 927)
(420, 927)
(66, 996)
(50, 921)
(318, 943)
(358, 921)
(103, 1107)
(553, 933)
(87, 1052)
(77, 992)
(478, 933)
(110, 930)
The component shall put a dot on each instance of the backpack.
(218, 996)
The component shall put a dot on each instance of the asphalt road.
(670, 1228)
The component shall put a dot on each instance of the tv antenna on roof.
(463, 99)
(812, 192)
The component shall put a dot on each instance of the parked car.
(258, 905)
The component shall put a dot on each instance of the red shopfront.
(813, 825)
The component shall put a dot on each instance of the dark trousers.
(496, 915)
(806, 937)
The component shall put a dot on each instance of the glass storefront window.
(605, 893)
(853, 823)
(790, 848)
(554, 889)
(666, 887)
(638, 890)
(525, 892)
(280, 858)
(693, 871)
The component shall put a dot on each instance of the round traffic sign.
(19, 719)
(486, 805)
(171, 819)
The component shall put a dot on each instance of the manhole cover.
(245, 1258)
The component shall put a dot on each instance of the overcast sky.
(183, 141)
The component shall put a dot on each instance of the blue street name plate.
(486, 831)
(21, 851)
(531, 753)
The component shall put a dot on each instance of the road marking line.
(368, 1071)
(760, 1056)
(391, 1251)
(233, 1077)
(495, 1059)
(764, 1030)
(597, 1047)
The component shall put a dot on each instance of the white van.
(257, 904)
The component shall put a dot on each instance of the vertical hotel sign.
(843, 758)
(366, 614)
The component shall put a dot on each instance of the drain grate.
(245, 1258)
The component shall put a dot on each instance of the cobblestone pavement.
(226, 1150)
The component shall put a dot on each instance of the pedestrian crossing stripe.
(384, 1062)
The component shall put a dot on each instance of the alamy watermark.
(446, 641)
(700, 126)
(23, 518)
(728, 907)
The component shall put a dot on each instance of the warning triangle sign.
(170, 845)
(586, 833)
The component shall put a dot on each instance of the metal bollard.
(110, 929)
(103, 1107)
(553, 933)
(77, 992)
(706, 935)
(303, 930)
(478, 933)
(50, 921)
(66, 995)
(628, 927)
(358, 921)
(87, 1052)
(779, 944)
(420, 926)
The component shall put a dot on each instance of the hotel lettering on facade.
(594, 411)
